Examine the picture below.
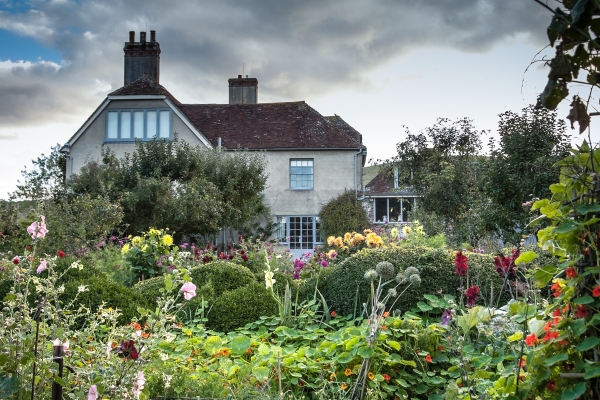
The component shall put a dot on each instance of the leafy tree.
(342, 214)
(440, 164)
(521, 166)
(46, 180)
(190, 190)
(574, 32)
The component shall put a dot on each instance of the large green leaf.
(553, 360)
(588, 343)
(574, 392)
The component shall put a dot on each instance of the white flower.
(108, 349)
(82, 288)
(269, 281)
(171, 258)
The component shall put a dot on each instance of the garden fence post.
(57, 357)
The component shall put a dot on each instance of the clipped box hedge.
(344, 286)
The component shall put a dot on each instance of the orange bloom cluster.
(222, 353)
(531, 340)
(556, 289)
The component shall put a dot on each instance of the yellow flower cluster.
(355, 239)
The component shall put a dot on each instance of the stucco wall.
(88, 145)
(333, 172)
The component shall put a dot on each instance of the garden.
(386, 313)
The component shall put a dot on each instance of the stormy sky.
(379, 64)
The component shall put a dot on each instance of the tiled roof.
(383, 185)
(293, 125)
(144, 85)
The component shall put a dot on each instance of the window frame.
(411, 199)
(283, 231)
(312, 161)
(132, 127)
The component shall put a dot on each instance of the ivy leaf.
(556, 27)
(578, 113)
(577, 11)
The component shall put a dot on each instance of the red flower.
(127, 349)
(333, 314)
(548, 326)
(556, 290)
(531, 340)
(571, 272)
(386, 377)
(582, 311)
(461, 264)
(16, 260)
(550, 336)
(551, 385)
(506, 265)
(472, 294)
(596, 291)
(61, 253)
(428, 359)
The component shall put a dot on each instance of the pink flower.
(93, 393)
(42, 267)
(36, 230)
(189, 290)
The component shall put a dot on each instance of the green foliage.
(436, 267)
(441, 166)
(236, 308)
(521, 167)
(46, 180)
(151, 254)
(343, 214)
(573, 31)
(191, 190)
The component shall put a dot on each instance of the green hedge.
(344, 285)
(241, 306)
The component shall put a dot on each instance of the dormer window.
(143, 124)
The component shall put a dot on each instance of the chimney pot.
(153, 36)
(142, 37)
(131, 36)
(239, 76)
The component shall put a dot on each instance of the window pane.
(394, 212)
(301, 174)
(151, 122)
(138, 124)
(407, 206)
(125, 125)
(112, 125)
(380, 209)
(165, 124)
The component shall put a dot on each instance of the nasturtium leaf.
(567, 226)
(574, 392)
(240, 344)
(515, 336)
(424, 307)
(526, 257)
(544, 275)
(365, 352)
(553, 360)
(589, 343)
(345, 358)
(592, 371)
(261, 373)
(587, 299)
(393, 344)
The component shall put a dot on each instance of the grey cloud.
(295, 48)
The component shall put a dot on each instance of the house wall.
(88, 145)
(333, 173)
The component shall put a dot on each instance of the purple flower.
(446, 316)
(324, 263)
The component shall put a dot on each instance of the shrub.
(339, 285)
(343, 214)
(241, 306)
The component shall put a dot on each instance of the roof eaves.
(86, 124)
(189, 124)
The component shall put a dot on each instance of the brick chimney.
(243, 90)
(141, 57)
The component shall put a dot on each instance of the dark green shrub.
(339, 286)
(343, 214)
(221, 276)
(149, 289)
(241, 306)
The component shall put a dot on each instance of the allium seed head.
(385, 269)
(392, 292)
(411, 271)
(370, 275)
(415, 279)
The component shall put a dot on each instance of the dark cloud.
(295, 48)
